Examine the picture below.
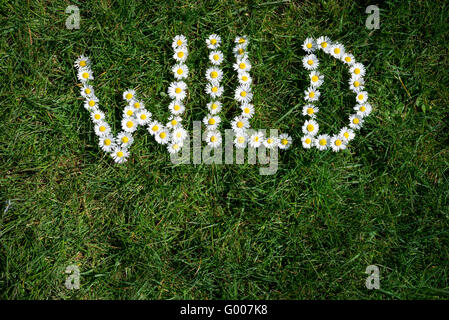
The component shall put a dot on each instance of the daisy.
(120, 155)
(125, 139)
(214, 74)
(163, 136)
(107, 143)
(316, 79)
(85, 74)
(355, 121)
(82, 62)
(242, 65)
(128, 111)
(143, 116)
(247, 110)
(102, 129)
(347, 134)
(214, 107)
(242, 40)
(285, 141)
(243, 94)
(180, 54)
(307, 141)
(310, 127)
(256, 139)
(87, 91)
(97, 116)
(214, 90)
(136, 104)
(154, 127)
(363, 110)
(180, 71)
(211, 122)
(240, 124)
(179, 41)
(310, 62)
(129, 94)
(362, 97)
(176, 107)
(309, 45)
(216, 57)
(240, 51)
(174, 122)
(357, 69)
(311, 94)
(310, 110)
(177, 90)
(91, 103)
(174, 147)
(271, 142)
(214, 41)
(213, 138)
(179, 134)
(244, 78)
(241, 140)
(348, 59)
(324, 43)
(322, 142)
(129, 124)
(337, 50)
(337, 143)
(356, 84)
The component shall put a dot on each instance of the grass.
(151, 230)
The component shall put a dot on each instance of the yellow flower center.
(323, 142)
(91, 103)
(129, 113)
(155, 128)
(346, 134)
(102, 128)
(179, 71)
(360, 96)
(87, 91)
(85, 75)
(284, 142)
(241, 51)
(137, 105)
(174, 122)
(241, 40)
(314, 78)
(213, 41)
(356, 70)
(240, 124)
(143, 116)
(214, 89)
(348, 59)
(310, 62)
(130, 124)
(310, 127)
(213, 139)
(246, 110)
(245, 78)
(82, 63)
(356, 121)
(216, 57)
(107, 142)
(214, 106)
(240, 139)
(309, 110)
(120, 154)
(214, 74)
(97, 116)
(338, 142)
(270, 141)
(308, 141)
(243, 93)
(178, 135)
(178, 90)
(309, 45)
(311, 94)
(176, 107)
(356, 84)
(211, 121)
(162, 135)
(179, 43)
(242, 65)
(256, 138)
(129, 96)
(337, 50)
(180, 54)
(323, 44)
(362, 108)
(176, 146)
(125, 139)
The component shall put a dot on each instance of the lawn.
(149, 229)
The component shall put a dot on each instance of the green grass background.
(152, 230)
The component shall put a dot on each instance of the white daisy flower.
(240, 51)
(242, 65)
(176, 107)
(311, 94)
(243, 94)
(310, 110)
(240, 124)
(107, 143)
(348, 59)
(242, 40)
(97, 115)
(337, 143)
(256, 139)
(155, 127)
(214, 41)
(179, 41)
(241, 139)
(181, 54)
(355, 121)
(102, 129)
(316, 79)
(143, 116)
(211, 122)
(362, 97)
(363, 110)
(322, 142)
(179, 134)
(87, 91)
(285, 141)
(309, 45)
(310, 127)
(216, 57)
(174, 147)
(129, 95)
(213, 138)
(91, 103)
(357, 70)
(310, 62)
(177, 90)
(82, 62)
(128, 111)
(174, 122)
(129, 124)
(245, 78)
(214, 107)
(125, 139)
(214, 90)
(214, 74)
(120, 155)
(271, 142)
(85, 74)
(337, 50)
(247, 110)
(163, 136)
(180, 71)
(136, 104)
(324, 43)
(356, 84)
(347, 134)
(307, 141)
